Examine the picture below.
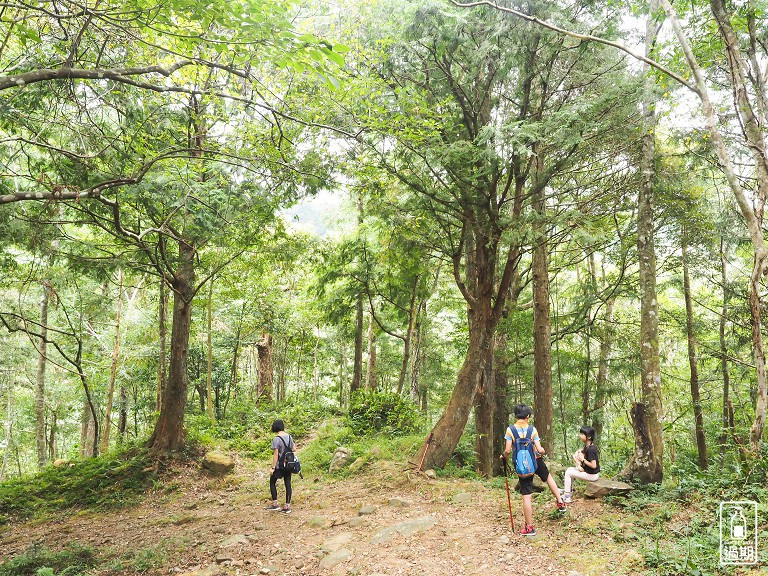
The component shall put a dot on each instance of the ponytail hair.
(589, 432)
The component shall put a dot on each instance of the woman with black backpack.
(281, 444)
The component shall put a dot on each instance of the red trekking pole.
(426, 447)
(509, 499)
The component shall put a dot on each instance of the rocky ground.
(385, 521)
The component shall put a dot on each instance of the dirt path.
(207, 526)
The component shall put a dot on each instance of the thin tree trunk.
(162, 354)
(209, 371)
(122, 423)
(52, 436)
(701, 440)
(113, 369)
(409, 335)
(601, 382)
(8, 429)
(647, 414)
(370, 374)
(316, 370)
(168, 434)
(357, 370)
(724, 353)
(40, 377)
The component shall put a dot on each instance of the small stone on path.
(407, 528)
(398, 503)
(335, 543)
(366, 511)
(462, 498)
(335, 558)
(317, 522)
(234, 541)
(355, 522)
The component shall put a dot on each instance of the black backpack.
(289, 461)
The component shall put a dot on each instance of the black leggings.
(286, 476)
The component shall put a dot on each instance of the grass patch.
(40, 561)
(152, 558)
(110, 481)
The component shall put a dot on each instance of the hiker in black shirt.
(587, 461)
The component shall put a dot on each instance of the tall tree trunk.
(122, 422)
(266, 375)
(542, 331)
(450, 426)
(168, 434)
(52, 435)
(370, 373)
(316, 370)
(701, 440)
(485, 413)
(8, 429)
(162, 354)
(113, 369)
(647, 415)
(40, 377)
(409, 336)
(724, 353)
(357, 370)
(209, 370)
(501, 393)
(601, 382)
(87, 432)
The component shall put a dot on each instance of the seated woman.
(586, 460)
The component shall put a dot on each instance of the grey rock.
(221, 558)
(407, 528)
(218, 462)
(398, 503)
(337, 542)
(604, 487)
(366, 511)
(355, 522)
(340, 459)
(234, 541)
(335, 559)
(430, 474)
(462, 498)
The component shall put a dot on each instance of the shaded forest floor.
(197, 524)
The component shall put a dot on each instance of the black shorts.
(526, 484)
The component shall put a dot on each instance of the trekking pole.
(426, 447)
(509, 499)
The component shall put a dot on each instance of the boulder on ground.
(59, 462)
(218, 462)
(340, 459)
(605, 487)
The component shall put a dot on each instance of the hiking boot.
(562, 507)
(274, 507)
(567, 497)
(528, 531)
(285, 509)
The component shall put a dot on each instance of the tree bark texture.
(701, 440)
(266, 371)
(485, 412)
(601, 382)
(42, 360)
(113, 370)
(724, 352)
(370, 373)
(162, 353)
(543, 413)
(209, 369)
(168, 434)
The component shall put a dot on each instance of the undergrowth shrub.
(73, 560)
(386, 412)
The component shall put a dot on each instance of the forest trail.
(205, 526)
